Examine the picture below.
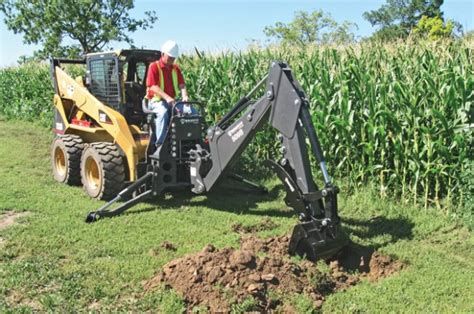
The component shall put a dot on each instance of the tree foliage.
(311, 28)
(397, 18)
(433, 28)
(73, 27)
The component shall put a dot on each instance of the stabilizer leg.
(103, 212)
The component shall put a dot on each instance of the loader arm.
(286, 108)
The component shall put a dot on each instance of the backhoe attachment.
(285, 107)
(185, 160)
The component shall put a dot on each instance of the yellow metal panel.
(98, 136)
(141, 140)
(85, 129)
(117, 127)
(80, 81)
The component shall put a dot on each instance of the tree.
(433, 28)
(397, 18)
(310, 28)
(69, 28)
(340, 34)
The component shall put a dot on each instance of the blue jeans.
(162, 117)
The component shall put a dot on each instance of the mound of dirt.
(216, 279)
(382, 266)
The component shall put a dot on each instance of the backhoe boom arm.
(285, 107)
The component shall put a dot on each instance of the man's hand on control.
(171, 101)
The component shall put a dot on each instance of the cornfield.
(398, 116)
(26, 93)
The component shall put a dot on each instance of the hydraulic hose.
(313, 139)
(240, 105)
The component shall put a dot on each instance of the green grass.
(53, 261)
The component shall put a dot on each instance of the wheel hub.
(93, 176)
(60, 161)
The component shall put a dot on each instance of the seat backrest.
(134, 94)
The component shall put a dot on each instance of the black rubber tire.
(102, 170)
(66, 152)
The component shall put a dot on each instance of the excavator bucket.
(309, 241)
(314, 238)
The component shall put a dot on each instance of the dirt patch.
(164, 246)
(261, 269)
(94, 306)
(370, 264)
(266, 224)
(382, 266)
(168, 246)
(17, 298)
(8, 218)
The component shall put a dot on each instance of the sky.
(213, 26)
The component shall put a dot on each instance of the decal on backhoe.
(236, 132)
(190, 121)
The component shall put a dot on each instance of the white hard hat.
(170, 48)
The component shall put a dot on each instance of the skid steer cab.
(105, 139)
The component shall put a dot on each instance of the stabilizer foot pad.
(92, 217)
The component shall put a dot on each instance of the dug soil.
(8, 218)
(261, 271)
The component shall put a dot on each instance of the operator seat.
(134, 93)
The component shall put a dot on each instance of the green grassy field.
(52, 261)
